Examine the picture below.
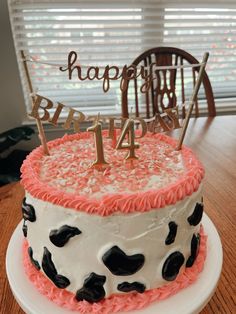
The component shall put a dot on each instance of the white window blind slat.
(116, 32)
(81, 13)
(122, 4)
(77, 23)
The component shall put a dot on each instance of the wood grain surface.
(214, 142)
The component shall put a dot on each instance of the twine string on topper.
(29, 58)
(161, 122)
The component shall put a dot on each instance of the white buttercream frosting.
(143, 233)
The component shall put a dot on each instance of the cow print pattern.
(33, 261)
(24, 229)
(116, 260)
(196, 216)
(172, 233)
(92, 290)
(121, 264)
(59, 237)
(195, 242)
(28, 211)
(133, 286)
(172, 266)
(50, 270)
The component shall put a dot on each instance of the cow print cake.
(105, 235)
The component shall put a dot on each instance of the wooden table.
(214, 141)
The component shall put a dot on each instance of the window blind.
(115, 33)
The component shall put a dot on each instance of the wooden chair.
(163, 90)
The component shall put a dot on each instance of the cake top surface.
(161, 175)
(68, 168)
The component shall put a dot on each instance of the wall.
(12, 109)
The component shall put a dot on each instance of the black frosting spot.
(196, 216)
(50, 270)
(33, 261)
(59, 237)
(92, 290)
(172, 233)
(28, 211)
(194, 250)
(172, 266)
(133, 286)
(24, 229)
(121, 264)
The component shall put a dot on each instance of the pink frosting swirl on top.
(54, 178)
(116, 302)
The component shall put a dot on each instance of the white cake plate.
(190, 300)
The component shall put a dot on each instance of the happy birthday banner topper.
(166, 121)
(110, 73)
(160, 122)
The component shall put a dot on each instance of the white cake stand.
(188, 301)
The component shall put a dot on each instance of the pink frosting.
(116, 302)
(184, 182)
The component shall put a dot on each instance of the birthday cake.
(116, 238)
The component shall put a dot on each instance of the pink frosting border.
(109, 204)
(119, 302)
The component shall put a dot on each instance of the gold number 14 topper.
(128, 131)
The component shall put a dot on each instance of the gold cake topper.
(161, 122)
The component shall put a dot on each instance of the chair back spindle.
(168, 86)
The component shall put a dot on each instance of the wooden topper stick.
(192, 100)
(42, 136)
